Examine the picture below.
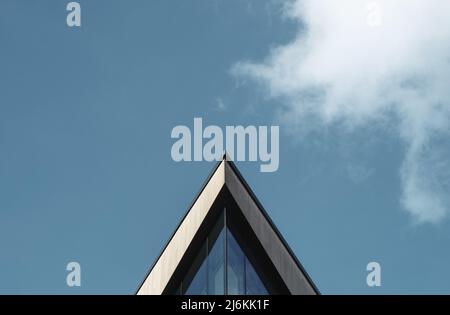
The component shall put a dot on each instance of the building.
(227, 244)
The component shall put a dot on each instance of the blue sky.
(85, 168)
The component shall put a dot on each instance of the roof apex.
(225, 173)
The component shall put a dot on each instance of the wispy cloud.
(220, 105)
(355, 63)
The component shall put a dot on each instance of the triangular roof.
(226, 179)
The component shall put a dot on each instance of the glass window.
(216, 260)
(235, 266)
(207, 274)
(253, 284)
(215, 266)
(196, 278)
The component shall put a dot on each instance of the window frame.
(245, 237)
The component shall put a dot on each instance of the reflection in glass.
(221, 267)
(216, 260)
(196, 277)
(235, 266)
(253, 284)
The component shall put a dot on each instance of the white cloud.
(355, 63)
